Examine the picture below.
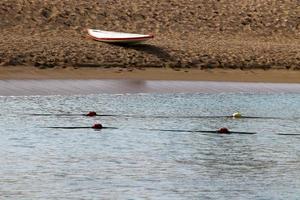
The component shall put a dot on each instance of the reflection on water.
(86, 87)
(134, 163)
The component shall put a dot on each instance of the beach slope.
(237, 34)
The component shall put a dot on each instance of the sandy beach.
(45, 42)
(201, 34)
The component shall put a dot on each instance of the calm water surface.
(132, 162)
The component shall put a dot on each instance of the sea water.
(136, 162)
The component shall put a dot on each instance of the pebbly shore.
(204, 34)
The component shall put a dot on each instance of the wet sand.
(85, 87)
(32, 73)
(69, 81)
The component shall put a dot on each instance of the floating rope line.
(220, 131)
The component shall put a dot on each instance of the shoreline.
(89, 87)
(182, 74)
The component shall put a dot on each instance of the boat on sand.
(117, 37)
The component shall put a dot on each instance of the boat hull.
(117, 37)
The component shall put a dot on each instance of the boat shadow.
(159, 52)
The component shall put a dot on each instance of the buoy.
(237, 115)
(91, 114)
(97, 126)
(223, 131)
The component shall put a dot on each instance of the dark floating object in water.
(95, 126)
(220, 131)
(91, 114)
(223, 131)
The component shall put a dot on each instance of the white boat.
(117, 37)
